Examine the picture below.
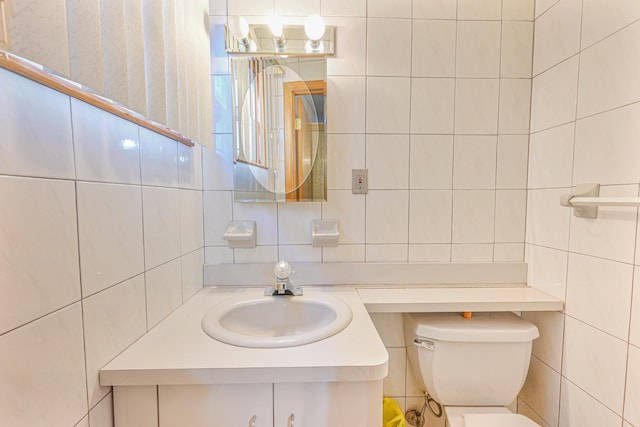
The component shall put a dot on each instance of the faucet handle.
(282, 270)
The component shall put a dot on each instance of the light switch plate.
(359, 181)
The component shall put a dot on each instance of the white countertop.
(454, 299)
(178, 351)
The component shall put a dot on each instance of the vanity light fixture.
(239, 28)
(314, 38)
(275, 25)
(314, 28)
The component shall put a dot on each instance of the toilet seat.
(485, 416)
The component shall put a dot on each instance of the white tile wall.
(73, 282)
(584, 133)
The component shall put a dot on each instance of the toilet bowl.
(473, 367)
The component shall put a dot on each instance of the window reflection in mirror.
(279, 128)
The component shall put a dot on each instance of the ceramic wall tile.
(163, 290)
(518, 10)
(162, 221)
(431, 162)
(38, 31)
(217, 164)
(158, 159)
(429, 253)
(191, 223)
(632, 395)
(192, 273)
(476, 106)
(478, 49)
(473, 216)
(634, 333)
(292, 7)
(511, 169)
(554, 96)
(434, 9)
(39, 248)
(541, 390)
(387, 216)
(471, 252)
(606, 284)
(107, 148)
(113, 320)
(547, 269)
(349, 209)
(516, 48)
(432, 105)
(347, 113)
(479, 9)
(344, 253)
(547, 220)
(430, 216)
(394, 383)
(219, 57)
(542, 6)
(342, 8)
(600, 20)
(390, 327)
(508, 252)
(557, 35)
(218, 255)
(217, 214)
(102, 414)
(294, 222)
(252, 7)
(190, 166)
(300, 253)
(387, 159)
(85, 43)
(511, 209)
(389, 46)
(259, 254)
(36, 127)
(526, 410)
(221, 94)
(51, 348)
(593, 159)
(551, 157)
(386, 253)
(474, 164)
(595, 362)
(388, 102)
(515, 104)
(433, 48)
(351, 46)
(579, 408)
(548, 346)
(110, 234)
(344, 153)
(609, 71)
(266, 217)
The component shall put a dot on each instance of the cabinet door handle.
(291, 420)
(252, 421)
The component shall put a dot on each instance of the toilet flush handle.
(429, 345)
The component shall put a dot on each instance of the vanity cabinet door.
(353, 404)
(218, 405)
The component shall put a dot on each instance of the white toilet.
(473, 367)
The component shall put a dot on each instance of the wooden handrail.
(40, 75)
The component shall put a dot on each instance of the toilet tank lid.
(482, 327)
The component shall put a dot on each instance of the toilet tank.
(481, 361)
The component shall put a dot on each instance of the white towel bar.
(585, 201)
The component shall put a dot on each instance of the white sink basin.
(280, 321)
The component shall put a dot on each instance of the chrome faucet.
(283, 286)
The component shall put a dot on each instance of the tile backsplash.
(101, 237)
(432, 97)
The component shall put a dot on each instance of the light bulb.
(314, 27)
(275, 25)
(239, 27)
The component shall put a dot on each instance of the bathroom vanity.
(178, 375)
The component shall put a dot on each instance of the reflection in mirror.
(279, 128)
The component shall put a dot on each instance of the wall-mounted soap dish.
(241, 234)
(324, 232)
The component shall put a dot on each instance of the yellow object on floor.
(392, 415)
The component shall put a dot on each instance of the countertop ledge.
(454, 299)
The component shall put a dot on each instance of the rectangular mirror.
(279, 120)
